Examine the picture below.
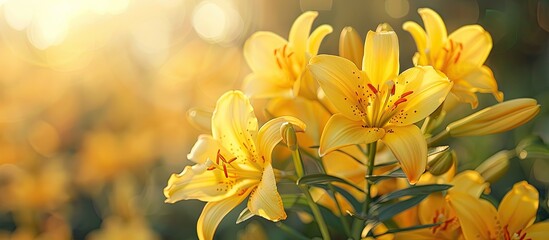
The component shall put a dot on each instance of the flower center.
(449, 55)
(441, 217)
(520, 235)
(287, 62)
(380, 105)
(221, 163)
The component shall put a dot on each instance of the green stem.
(439, 137)
(290, 231)
(358, 224)
(342, 218)
(314, 208)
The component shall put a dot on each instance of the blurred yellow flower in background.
(279, 66)
(460, 55)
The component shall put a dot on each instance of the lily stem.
(359, 224)
(314, 208)
(439, 137)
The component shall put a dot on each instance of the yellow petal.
(259, 51)
(380, 60)
(316, 38)
(409, 147)
(339, 78)
(269, 134)
(482, 80)
(200, 118)
(495, 119)
(299, 33)
(196, 182)
(519, 206)
(425, 99)
(476, 43)
(464, 94)
(306, 86)
(235, 126)
(351, 46)
(477, 217)
(420, 37)
(205, 148)
(265, 200)
(267, 85)
(213, 213)
(538, 231)
(470, 182)
(436, 30)
(341, 131)
(420, 234)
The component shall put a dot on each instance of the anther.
(372, 88)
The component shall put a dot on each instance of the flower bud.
(351, 46)
(439, 163)
(288, 135)
(200, 118)
(495, 119)
(495, 166)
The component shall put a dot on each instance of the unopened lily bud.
(288, 136)
(351, 46)
(495, 119)
(495, 166)
(200, 118)
(439, 163)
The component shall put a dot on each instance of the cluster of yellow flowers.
(356, 115)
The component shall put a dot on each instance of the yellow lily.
(232, 163)
(460, 56)
(435, 209)
(279, 65)
(377, 103)
(514, 218)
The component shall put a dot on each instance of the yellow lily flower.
(460, 56)
(514, 218)
(279, 65)
(435, 208)
(376, 103)
(232, 163)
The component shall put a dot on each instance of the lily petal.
(196, 182)
(213, 213)
(351, 46)
(470, 182)
(259, 51)
(482, 80)
(265, 200)
(234, 108)
(436, 30)
(477, 217)
(420, 37)
(269, 135)
(380, 60)
(425, 99)
(339, 78)
(299, 33)
(518, 208)
(538, 231)
(267, 85)
(476, 45)
(341, 131)
(409, 147)
(205, 148)
(313, 44)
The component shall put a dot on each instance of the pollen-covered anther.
(374, 89)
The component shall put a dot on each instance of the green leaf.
(386, 211)
(413, 191)
(315, 179)
(394, 174)
(294, 200)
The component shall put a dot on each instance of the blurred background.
(94, 97)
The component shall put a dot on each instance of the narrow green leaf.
(386, 211)
(413, 191)
(395, 174)
(313, 179)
